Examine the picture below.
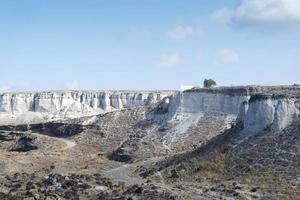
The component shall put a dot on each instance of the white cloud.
(261, 11)
(222, 15)
(180, 32)
(72, 85)
(228, 56)
(4, 88)
(183, 32)
(168, 60)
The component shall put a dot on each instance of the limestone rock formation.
(275, 112)
(256, 108)
(28, 107)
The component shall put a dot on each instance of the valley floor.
(121, 155)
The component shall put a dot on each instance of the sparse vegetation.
(125, 155)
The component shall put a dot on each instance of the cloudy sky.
(147, 44)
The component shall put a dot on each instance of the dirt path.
(68, 143)
(125, 173)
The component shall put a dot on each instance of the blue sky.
(147, 44)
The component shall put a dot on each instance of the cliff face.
(275, 112)
(256, 108)
(194, 102)
(22, 107)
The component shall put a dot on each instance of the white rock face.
(30, 107)
(182, 113)
(275, 113)
(255, 112)
(195, 102)
(187, 106)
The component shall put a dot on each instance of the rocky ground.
(122, 155)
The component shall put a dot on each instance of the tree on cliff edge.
(207, 83)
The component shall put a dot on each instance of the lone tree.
(207, 83)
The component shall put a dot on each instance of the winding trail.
(126, 174)
(68, 143)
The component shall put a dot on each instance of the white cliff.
(29, 107)
(205, 101)
(192, 102)
(271, 112)
(184, 111)
(255, 108)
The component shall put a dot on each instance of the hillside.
(228, 143)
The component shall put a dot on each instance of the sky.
(147, 44)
